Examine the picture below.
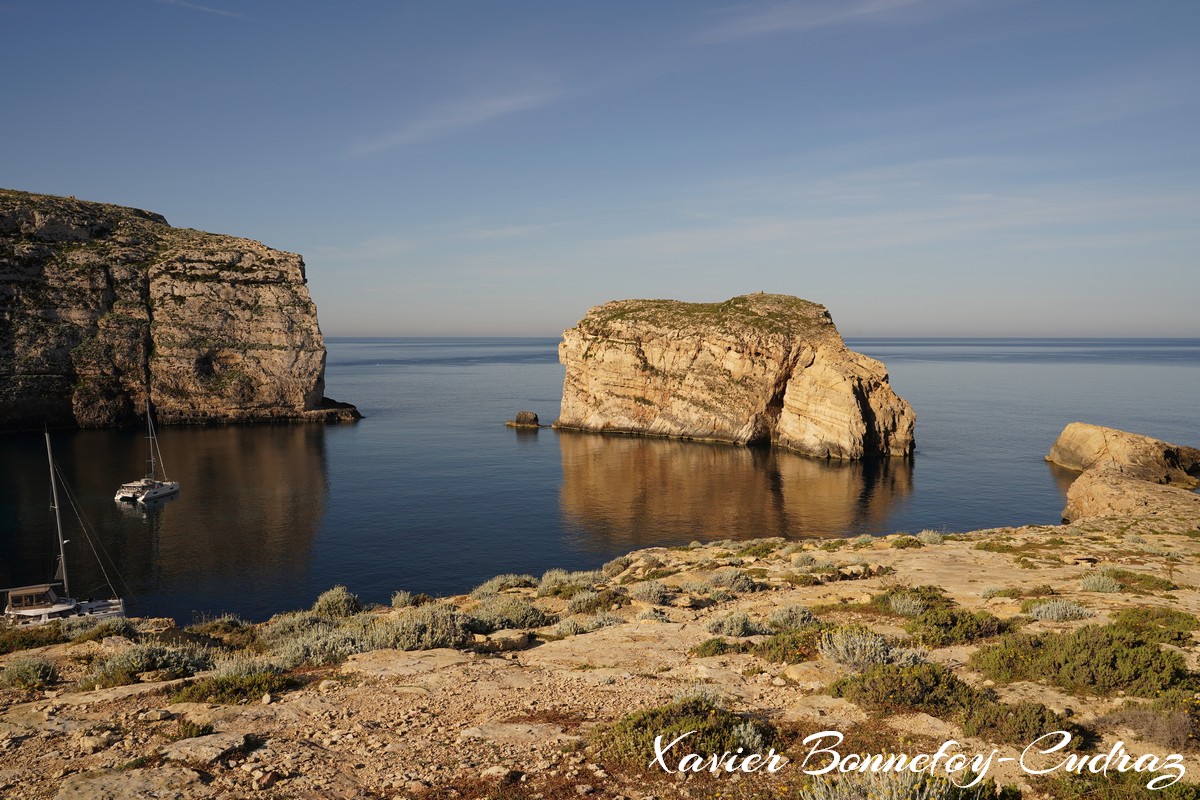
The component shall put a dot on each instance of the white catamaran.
(41, 604)
(150, 487)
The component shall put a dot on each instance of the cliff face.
(100, 303)
(755, 369)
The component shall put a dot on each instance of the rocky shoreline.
(782, 638)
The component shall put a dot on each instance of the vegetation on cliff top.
(762, 313)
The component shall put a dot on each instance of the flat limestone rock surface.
(164, 783)
(760, 368)
(99, 302)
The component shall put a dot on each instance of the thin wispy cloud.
(503, 232)
(454, 117)
(205, 9)
(1046, 218)
(372, 249)
(806, 15)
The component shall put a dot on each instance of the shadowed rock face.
(755, 369)
(100, 304)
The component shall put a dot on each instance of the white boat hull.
(160, 490)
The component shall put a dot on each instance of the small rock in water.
(525, 419)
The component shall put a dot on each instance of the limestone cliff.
(1128, 475)
(759, 368)
(100, 304)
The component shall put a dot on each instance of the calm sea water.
(432, 493)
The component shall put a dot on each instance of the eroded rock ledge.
(1126, 474)
(101, 303)
(759, 368)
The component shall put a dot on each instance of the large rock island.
(756, 369)
(100, 304)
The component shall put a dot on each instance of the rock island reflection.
(641, 491)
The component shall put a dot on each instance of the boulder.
(756, 369)
(1082, 447)
(525, 419)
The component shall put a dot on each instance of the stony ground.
(450, 723)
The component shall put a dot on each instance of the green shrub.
(1093, 660)
(906, 543)
(97, 630)
(790, 646)
(234, 689)
(715, 647)
(630, 740)
(29, 637)
(499, 612)
(1112, 786)
(124, 666)
(1138, 582)
(337, 602)
(186, 729)
(229, 629)
(28, 673)
(615, 567)
(759, 549)
(887, 689)
(943, 627)
(1019, 723)
(589, 601)
(502, 582)
(1151, 618)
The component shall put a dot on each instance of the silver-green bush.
(1060, 610)
(654, 592)
(859, 647)
(501, 582)
(28, 673)
(337, 602)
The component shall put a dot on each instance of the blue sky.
(921, 167)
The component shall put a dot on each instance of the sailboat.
(150, 487)
(41, 604)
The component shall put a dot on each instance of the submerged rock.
(759, 368)
(101, 303)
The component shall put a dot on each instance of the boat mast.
(62, 550)
(150, 439)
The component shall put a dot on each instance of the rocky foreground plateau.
(102, 304)
(555, 687)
